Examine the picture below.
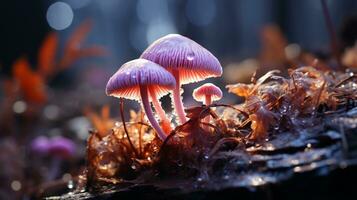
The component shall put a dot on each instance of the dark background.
(229, 28)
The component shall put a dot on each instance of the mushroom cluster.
(143, 80)
(164, 66)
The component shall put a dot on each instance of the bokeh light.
(51, 112)
(19, 107)
(16, 185)
(60, 15)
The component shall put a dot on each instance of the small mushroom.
(207, 93)
(186, 60)
(58, 148)
(61, 147)
(40, 145)
(137, 79)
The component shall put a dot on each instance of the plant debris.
(292, 115)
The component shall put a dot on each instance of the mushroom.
(58, 148)
(40, 145)
(143, 80)
(186, 60)
(61, 147)
(207, 93)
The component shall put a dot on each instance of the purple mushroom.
(207, 93)
(136, 80)
(59, 148)
(186, 60)
(40, 145)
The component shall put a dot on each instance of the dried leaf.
(47, 55)
(31, 83)
(74, 49)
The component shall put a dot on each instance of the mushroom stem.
(177, 101)
(208, 101)
(54, 169)
(166, 125)
(148, 112)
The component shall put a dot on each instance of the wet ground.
(318, 162)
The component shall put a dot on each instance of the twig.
(319, 95)
(141, 126)
(125, 129)
(173, 132)
(221, 142)
(345, 80)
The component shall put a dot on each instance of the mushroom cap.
(126, 81)
(207, 89)
(58, 146)
(194, 62)
(40, 145)
(61, 147)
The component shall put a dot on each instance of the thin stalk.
(140, 136)
(164, 119)
(149, 113)
(208, 102)
(177, 101)
(125, 129)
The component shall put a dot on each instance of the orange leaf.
(31, 83)
(73, 49)
(92, 51)
(79, 35)
(21, 68)
(47, 55)
(73, 44)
